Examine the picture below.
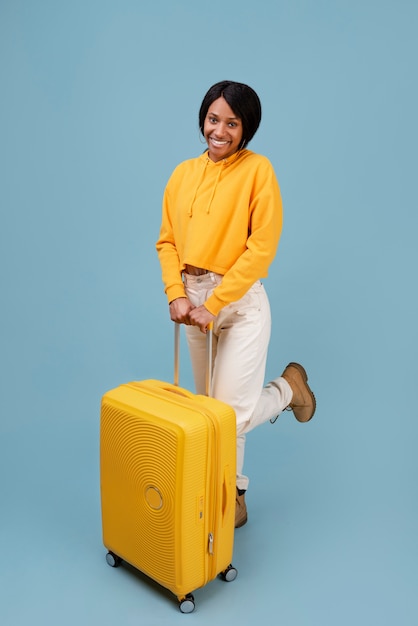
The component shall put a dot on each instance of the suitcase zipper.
(211, 537)
(210, 547)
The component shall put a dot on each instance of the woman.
(221, 224)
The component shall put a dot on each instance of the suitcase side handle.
(228, 494)
(209, 348)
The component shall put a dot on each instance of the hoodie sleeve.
(265, 226)
(168, 254)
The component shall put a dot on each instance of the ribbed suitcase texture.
(167, 460)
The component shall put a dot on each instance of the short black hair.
(242, 99)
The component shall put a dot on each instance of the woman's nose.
(220, 129)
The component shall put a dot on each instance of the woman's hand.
(180, 309)
(201, 317)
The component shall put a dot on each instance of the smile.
(216, 142)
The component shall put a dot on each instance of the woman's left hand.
(201, 317)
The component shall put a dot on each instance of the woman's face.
(222, 130)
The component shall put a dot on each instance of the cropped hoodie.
(225, 217)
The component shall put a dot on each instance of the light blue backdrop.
(99, 102)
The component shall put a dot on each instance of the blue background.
(98, 104)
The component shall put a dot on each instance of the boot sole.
(242, 523)
(304, 375)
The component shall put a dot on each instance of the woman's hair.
(243, 101)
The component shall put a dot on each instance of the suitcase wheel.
(113, 560)
(186, 604)
(229, 574)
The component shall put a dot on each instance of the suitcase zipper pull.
(211, 544)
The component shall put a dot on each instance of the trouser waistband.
(195, 271)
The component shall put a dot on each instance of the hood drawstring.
(220, 168)
(190, 211)
(215, 185)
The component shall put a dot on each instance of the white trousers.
(241, 334)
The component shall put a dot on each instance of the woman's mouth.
(218, 143)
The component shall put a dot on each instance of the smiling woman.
(221, 224)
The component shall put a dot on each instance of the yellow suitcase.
(167, 468)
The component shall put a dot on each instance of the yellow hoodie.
(225, 217)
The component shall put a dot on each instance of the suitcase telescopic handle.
(209, 348)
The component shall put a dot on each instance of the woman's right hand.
(180, 309)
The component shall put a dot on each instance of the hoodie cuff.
(214, 305)
(174, 292)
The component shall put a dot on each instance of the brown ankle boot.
(303, 402)
(240, 510)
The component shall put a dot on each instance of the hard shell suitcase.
(167, 469)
